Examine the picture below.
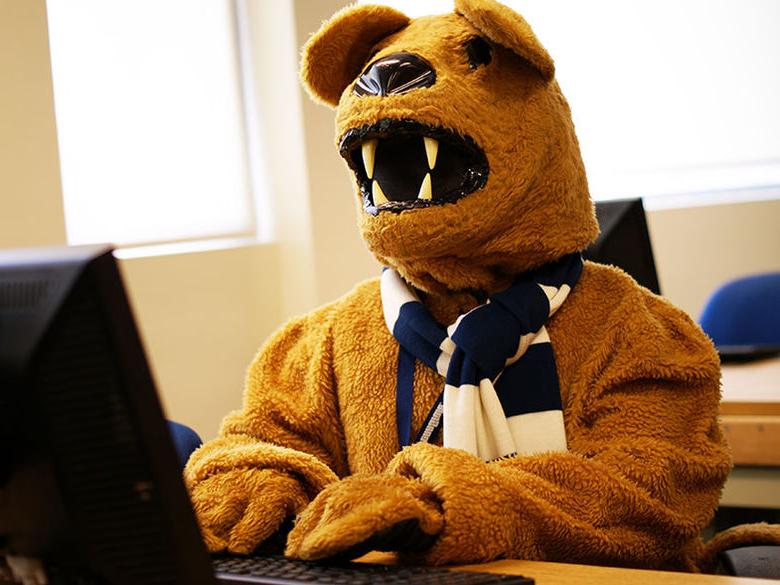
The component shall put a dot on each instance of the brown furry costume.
(639, 381)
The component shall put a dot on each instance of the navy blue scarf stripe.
(526, 303)
(404, 395)
(418, 334)
(535, 380)
(562, 270)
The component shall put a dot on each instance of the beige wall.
(203, 315)
(311, 191)
(31, 212)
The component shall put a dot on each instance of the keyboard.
(278, 570)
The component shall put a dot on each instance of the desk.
(750, 418)
(565, 574)
(752, 387)
(750, 411)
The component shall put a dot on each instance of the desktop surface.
(547, 573)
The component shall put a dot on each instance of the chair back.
(745, 311)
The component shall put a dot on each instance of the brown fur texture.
(242, 491)
(642, 477)
(639, 381)
(355, 509)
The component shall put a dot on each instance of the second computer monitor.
(624, 241)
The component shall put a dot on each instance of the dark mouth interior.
(401, 163)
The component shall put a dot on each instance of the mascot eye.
(479, 52)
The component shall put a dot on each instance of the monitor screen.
(89, 481)
(624, 241)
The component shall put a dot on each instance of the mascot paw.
(359, 514)
(240, 509)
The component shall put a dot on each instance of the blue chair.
(185, 440)
(744, 312)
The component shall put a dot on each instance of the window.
(150, 119)
(668, 97)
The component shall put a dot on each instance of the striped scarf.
(501, 395)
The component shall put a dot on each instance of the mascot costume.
(491, 395)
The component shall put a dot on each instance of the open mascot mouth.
(403, 164)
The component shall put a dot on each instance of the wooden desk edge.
(546, 573)
(731, 408)
(753, 439)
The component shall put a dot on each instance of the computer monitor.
(624, 241)
(89, 480)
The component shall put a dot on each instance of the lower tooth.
(425, 189)
(376, 192)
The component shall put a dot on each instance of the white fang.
(369, 152)
(431, 150)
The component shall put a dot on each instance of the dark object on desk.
(752, 561)
(90, 482)
(624, 241)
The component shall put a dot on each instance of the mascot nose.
(395, 74)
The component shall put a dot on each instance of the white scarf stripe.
(556, 296)
(392, 286)
(501, 439)
(541, 337)
(531, 431)
(461, 404)
(447, 348)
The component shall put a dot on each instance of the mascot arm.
(642, 477)
(273, 456)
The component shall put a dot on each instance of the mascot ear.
(505, 27)
(335, 55)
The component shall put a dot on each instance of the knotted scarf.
(501, 395)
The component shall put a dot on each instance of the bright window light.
(668, 97)
(150, 120)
